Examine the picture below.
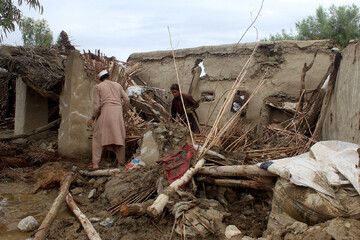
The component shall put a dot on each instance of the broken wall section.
(31, 109)
(282, 61)
(76, 108)
(342, 121)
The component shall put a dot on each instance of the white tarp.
(134, 91)
(327, 164)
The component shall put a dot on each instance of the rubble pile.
(270, 181)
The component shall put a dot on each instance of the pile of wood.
(126, 74)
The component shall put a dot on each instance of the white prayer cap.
(102, 73)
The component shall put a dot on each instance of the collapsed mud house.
(280, 63)
(290, 71)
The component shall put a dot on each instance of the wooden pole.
(136, 209)
(157, 207)
(88, 227)
(326, 101)
(33, 132)
(234, 183)
(302, 84)
(180, 90)
(46, 223)
(101, 172)
(235, 171)
(195, 79)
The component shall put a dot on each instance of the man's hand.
(90, 122)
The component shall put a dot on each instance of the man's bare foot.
(93, 166)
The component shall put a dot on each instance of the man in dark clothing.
(190, 105)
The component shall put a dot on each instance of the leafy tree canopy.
(11, 15)
(340, 24)
(36, 33)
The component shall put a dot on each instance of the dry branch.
(303, 74)
(88, 227)
(46, 223)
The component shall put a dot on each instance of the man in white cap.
(109, 101)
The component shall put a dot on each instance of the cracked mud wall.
(342, 121)
(75, 108)
(283, 62)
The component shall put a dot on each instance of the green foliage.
(282, 36)
(11, 15)
(340, 24)
(36, 33)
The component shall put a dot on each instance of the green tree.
(36, 33)
(340, 24)
(11, 15)
(282, 36)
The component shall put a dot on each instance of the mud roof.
(243, 48)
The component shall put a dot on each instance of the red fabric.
(176, 164)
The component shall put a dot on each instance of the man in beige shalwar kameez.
(109, 101)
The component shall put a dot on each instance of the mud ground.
(248, 209)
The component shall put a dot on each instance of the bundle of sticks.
(138, 197)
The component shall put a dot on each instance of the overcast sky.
(119, 28)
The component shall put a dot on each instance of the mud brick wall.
(342, 120)
(281, 61)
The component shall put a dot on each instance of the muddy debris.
(198, 210)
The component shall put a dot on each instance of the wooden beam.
(235, 171)
(88, 227)
(158, 206)
(234, 183)
(33, 132)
